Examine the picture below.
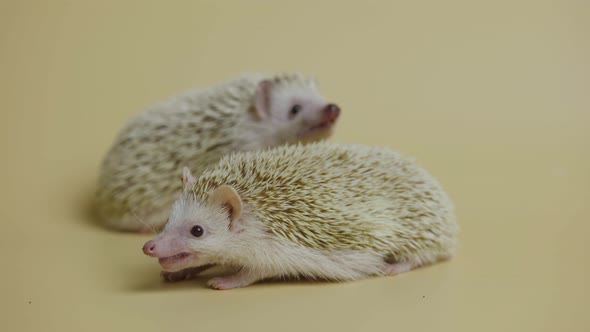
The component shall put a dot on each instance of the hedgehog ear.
(188, 180)
(228, 198)
(262, 99)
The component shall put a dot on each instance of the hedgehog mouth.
(324, 125)
(170, 261)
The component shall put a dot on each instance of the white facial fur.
(293, 113)
(218, 225)
(177, 237)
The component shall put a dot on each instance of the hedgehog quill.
(320, 211)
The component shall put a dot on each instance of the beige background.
(492, 97)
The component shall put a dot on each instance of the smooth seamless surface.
(491, 97)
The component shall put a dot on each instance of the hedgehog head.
(294, 108)
(198, 232)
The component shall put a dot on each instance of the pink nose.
(332, 111)
(150, 248)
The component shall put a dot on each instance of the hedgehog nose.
(149, 248)
(332, 111)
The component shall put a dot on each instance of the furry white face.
(295, 112)
(193, 236)
(197, 233)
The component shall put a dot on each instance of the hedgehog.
(136, 185)
(322, 211)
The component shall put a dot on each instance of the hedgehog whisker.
(143, 222)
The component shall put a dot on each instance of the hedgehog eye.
(295, 109)
(197, 231)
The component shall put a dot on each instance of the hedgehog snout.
(150, 248)
(331, 112)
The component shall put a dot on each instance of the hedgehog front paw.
(233, 281)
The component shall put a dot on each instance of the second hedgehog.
(195, 129)
(324, 211)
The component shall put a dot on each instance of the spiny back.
(330, 196)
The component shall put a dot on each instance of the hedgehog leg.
(397, 268)
(185, 274)
(240, 279)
